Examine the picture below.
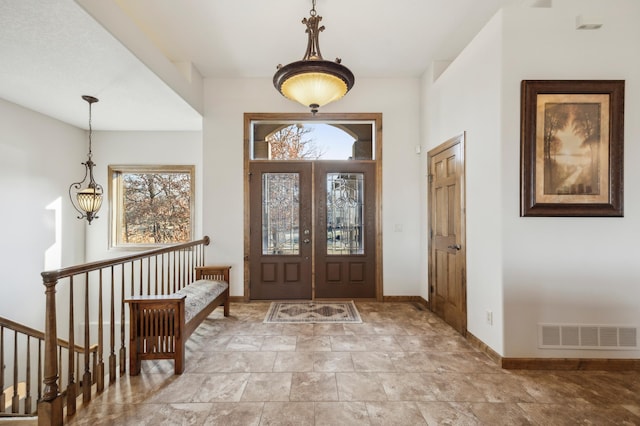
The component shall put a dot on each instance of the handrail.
(158, 271)
(37, 334)
(101, 264)
(18, 396)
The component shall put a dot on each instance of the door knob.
(306, 241)
(454, 247)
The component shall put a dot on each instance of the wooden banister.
(157, 271)
(104, 264)
(21, 385)
(36, 334)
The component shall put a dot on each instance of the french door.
(312, 230)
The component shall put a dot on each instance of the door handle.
(454, 247)
(306, 241)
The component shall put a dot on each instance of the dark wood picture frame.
(571, 148)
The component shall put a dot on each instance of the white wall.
(466, 98)
(140, 148)
(39, 158)
(569, 270)
(542, 270)
(226, 100)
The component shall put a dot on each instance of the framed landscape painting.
(572, 147)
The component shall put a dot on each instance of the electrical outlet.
(490, 317)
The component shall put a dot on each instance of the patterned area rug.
(312, 312)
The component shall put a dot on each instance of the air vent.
(578, 336)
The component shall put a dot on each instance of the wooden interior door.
(447, 254)
(280, 230)
(345, 229)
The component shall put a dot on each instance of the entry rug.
(312, 312)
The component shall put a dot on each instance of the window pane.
(312, 141)
(280, 213)
(151, 204)
(345, 210)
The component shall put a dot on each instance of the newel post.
(50, 406)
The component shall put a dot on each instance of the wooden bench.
(161, 324)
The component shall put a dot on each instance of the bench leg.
(178, 367)
(134, 342)
(134, 361)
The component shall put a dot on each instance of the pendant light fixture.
(87, 201)
(313, 81)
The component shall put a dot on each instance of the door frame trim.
(376, 118)
(461, 140)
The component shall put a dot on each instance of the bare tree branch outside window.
(152, 206)
(294, 143)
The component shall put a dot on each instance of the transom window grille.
(281, 213)
(151, 205)
(345, 211)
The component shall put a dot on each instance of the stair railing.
(159, 271)
(27, 346)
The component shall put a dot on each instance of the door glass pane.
(280, 213)
(345, 213)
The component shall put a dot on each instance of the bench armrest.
(213, 272)
(154, 298)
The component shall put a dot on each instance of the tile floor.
(401, 366)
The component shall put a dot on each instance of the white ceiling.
(52, 52)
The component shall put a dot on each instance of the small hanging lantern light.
(87, 201)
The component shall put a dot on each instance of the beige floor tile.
(419, 362)
(245, 343)
(386, 343)
(328, 329)
(502, 414)
(500, 387)
(294, 362)
(288, 414)
(453, 387)
(372, 361)
(401, 366)
(332, 362)
(178, 389)
(313, 343)
(463, 362)
(221, 387)
(348, 343)
(580, 413)
(407, 387)
(297, 329)
(395, 413)
(234, 414)
(448, 413)
(341, 413)
(360, 387)
(313, 387)
(234, 362)
(268, 387)
(162, 414)
(279, 343)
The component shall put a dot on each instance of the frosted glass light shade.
(313, 83)
(90, 200)
(314, 88)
